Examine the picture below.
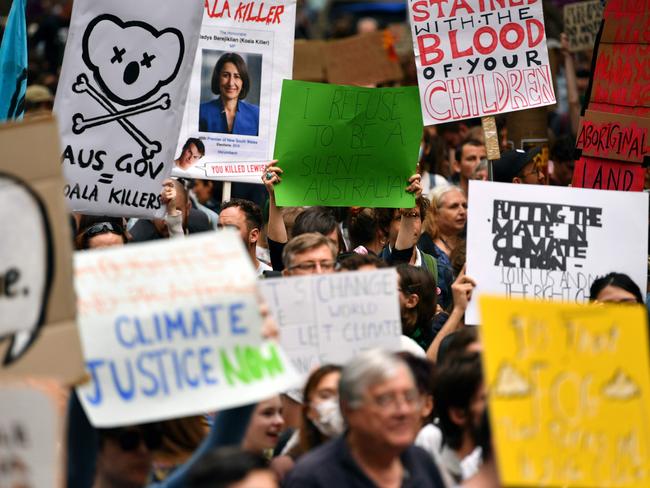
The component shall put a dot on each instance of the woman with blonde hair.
(444, 229)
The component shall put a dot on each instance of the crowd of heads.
(379, 404)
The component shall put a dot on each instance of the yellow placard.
(569, 393)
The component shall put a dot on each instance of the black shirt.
(332, 466)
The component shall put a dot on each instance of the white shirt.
(261, 267)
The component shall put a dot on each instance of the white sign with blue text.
(330, 318)
(172, 329)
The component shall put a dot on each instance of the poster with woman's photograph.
(230, 93)
(234, 94)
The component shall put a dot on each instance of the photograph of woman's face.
(230, 84)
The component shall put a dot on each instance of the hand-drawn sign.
(568, 392)
(38, 332)
(129, 73)
(27, 265)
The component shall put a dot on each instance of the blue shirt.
(212, 118)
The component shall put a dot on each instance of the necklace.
(445, 243)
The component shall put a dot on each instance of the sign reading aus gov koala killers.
(245, 51)
(551, 243)
(476, 58)
(120, 101)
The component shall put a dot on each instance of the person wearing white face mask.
(321, 417)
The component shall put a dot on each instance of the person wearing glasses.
(522, 167)
(125, 456)
(615, 288)
(100, 231)
(381, 406)
(310, 253)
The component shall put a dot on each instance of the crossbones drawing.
(130, 62)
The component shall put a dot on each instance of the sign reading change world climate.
(477, 58)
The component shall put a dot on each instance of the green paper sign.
(345, 146)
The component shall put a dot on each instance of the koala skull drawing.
(131, 61)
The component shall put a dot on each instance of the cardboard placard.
(120, 100)
(347, 146)
(626, 28)
(172, 329)
(403, 40)
(31, 433)
(551, 243)
(37, 309)
(581, 23)
(526, 125)
(328, 319)
(362, 60)
(605, 174)
(635, 7)
(614, 136)
(620, 77)
(568, 391)
(309, 60)
(476, 58)
(254, 40)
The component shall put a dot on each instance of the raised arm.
(407, 237)
(461, 290)
(276, 229)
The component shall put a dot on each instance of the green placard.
(345, 146)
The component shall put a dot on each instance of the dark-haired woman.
(321, 417)
(417, 299)
(615, 288)
(229, 113)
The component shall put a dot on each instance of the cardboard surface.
(623, 28)
(32, 431)
(614, 136)
(48, 343)
(581, 23)
(620, 77)
(362, 60)
(605, 174)
(309, 60)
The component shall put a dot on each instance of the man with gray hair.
(381, 405)
(310, 253)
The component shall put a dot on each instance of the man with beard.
(460, 400)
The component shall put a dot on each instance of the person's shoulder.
(143, 230)
(429, 438)
(421, 463)
(197, 221)
(210, 106)
(249, 107)
(312, 464)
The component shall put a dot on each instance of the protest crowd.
(392, 243)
